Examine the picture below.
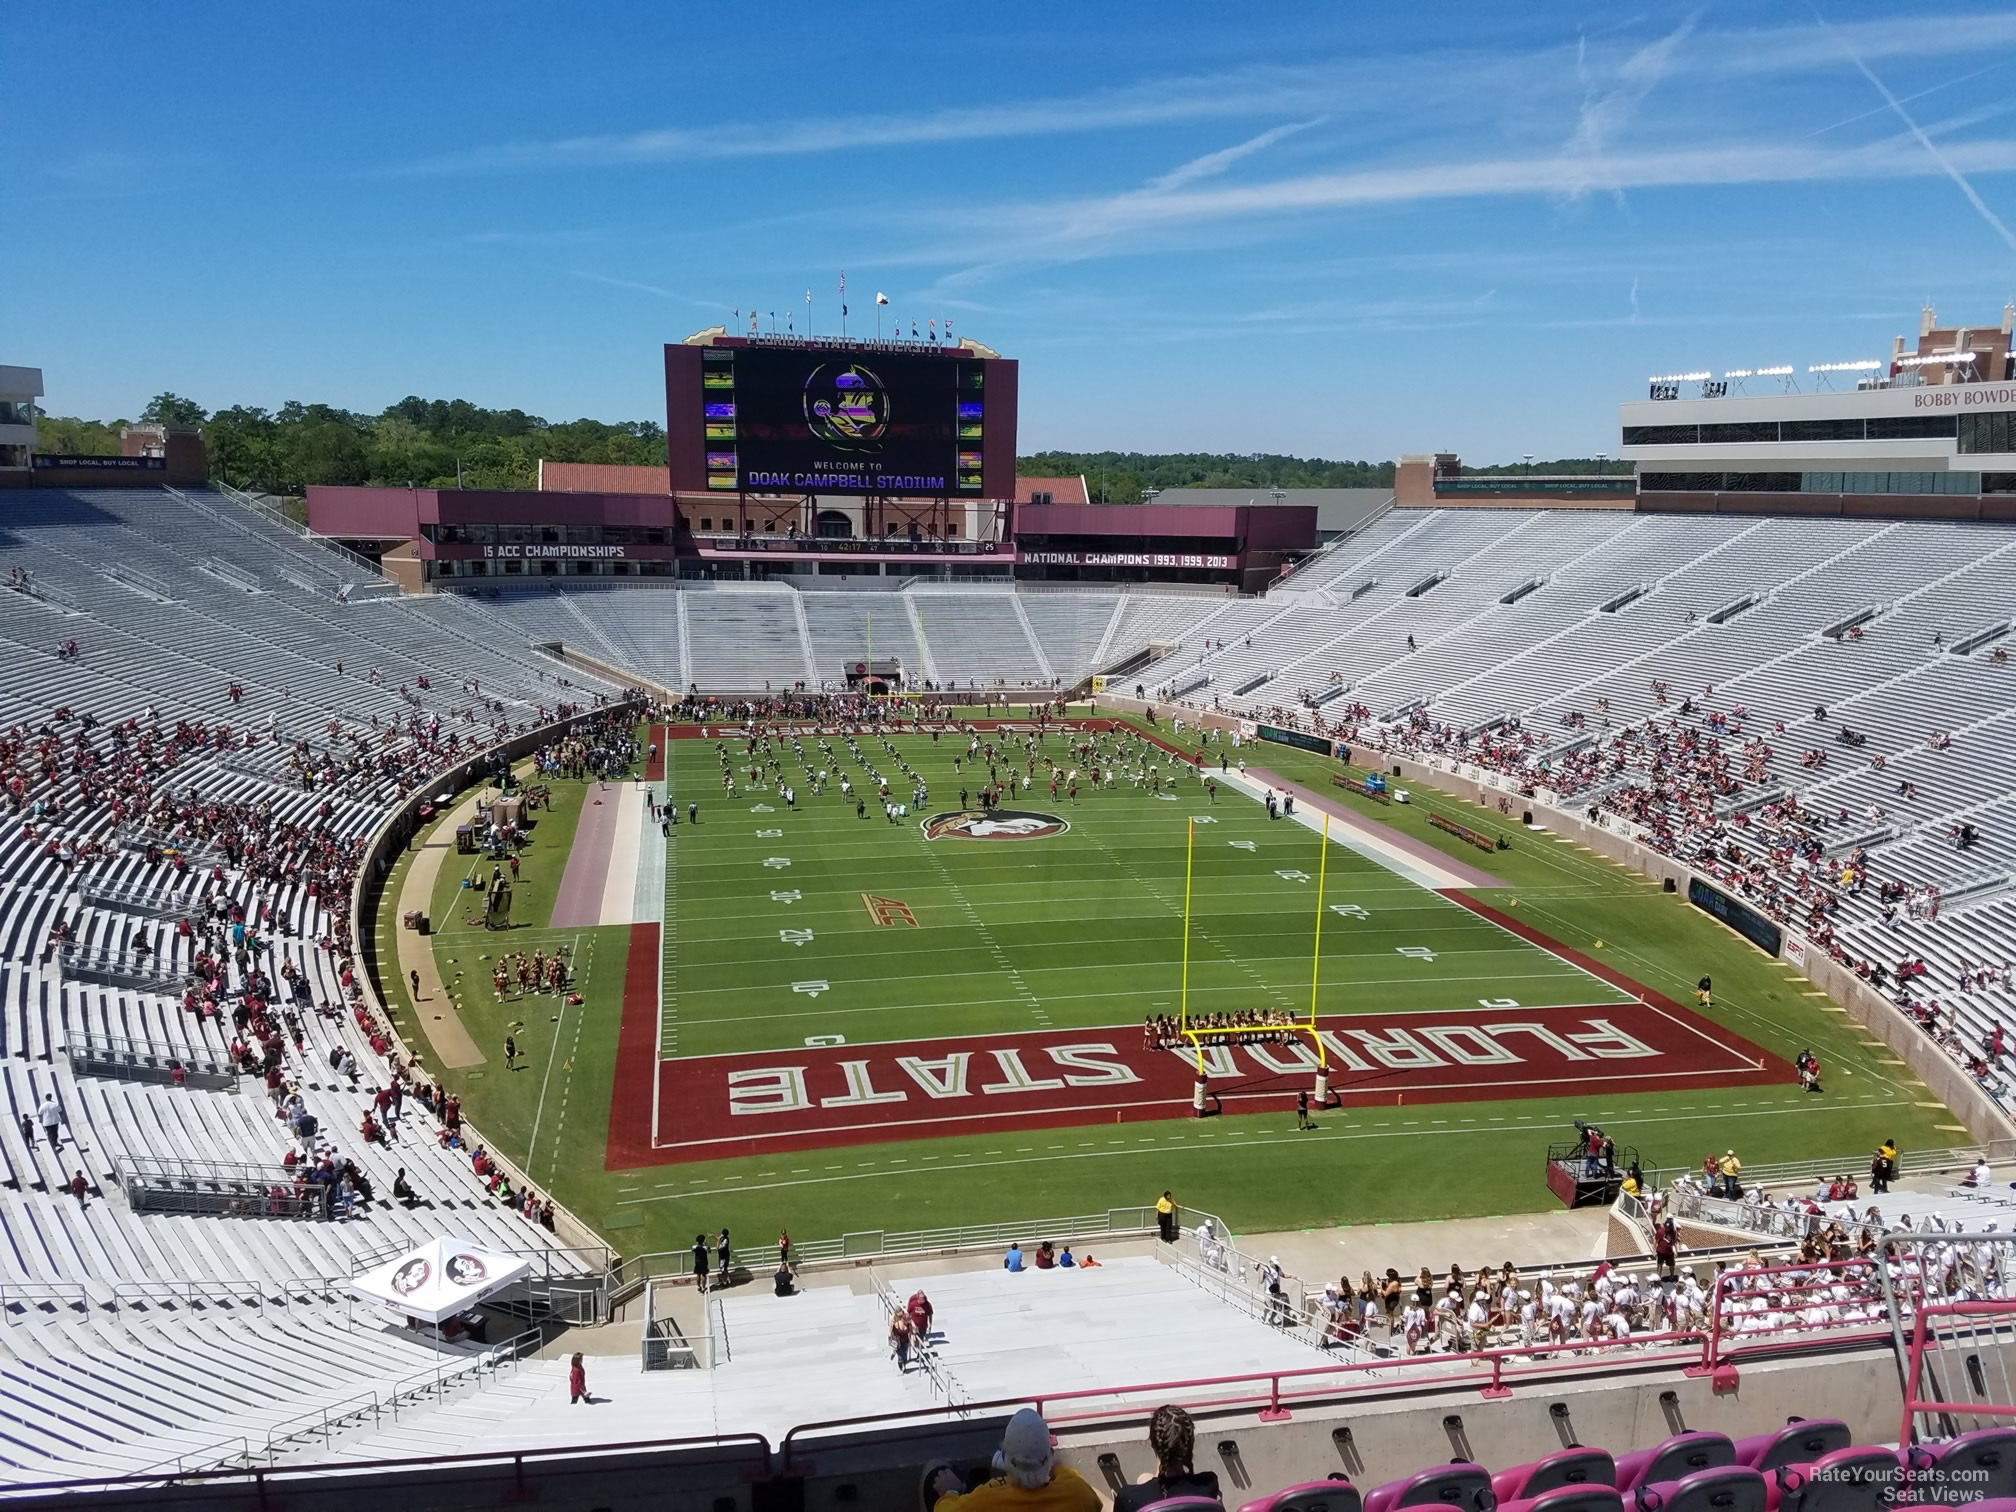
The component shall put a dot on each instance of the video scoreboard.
(838, 418)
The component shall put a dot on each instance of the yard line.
(1075, 997)
(1299, 1138)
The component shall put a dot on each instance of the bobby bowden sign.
(850, 1094)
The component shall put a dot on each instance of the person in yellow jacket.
(1027, 1477)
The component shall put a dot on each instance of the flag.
(948, 330)
(934, 328)
(913, 330)
(881, 298)
(843, 283)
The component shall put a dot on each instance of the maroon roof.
(602, 477)
(1061, 490)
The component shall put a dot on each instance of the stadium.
(420, 980)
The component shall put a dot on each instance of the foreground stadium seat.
(1977, 1466)
(1722, 1488)
(1680, 1455)
(1797, 1443)
(1858, 1479)
(1570, 1467)
(1460, 1484)
(1186, 1504)
(1337, 1495)
(1569, 1499)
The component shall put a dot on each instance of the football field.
(836, 973)
(843, 1023)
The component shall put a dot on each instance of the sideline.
(448, 1041)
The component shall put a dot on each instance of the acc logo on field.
(1001, 824)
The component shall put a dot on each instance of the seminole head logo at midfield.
(1001, 824)
(846, 407)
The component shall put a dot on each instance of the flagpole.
(1316, 963)
(871, 655)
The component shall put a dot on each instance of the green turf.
(1083, 929)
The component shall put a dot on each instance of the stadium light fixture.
(1936, 359)
(1865, 366)
(1679, 377)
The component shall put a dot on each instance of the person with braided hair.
(1173, 1437)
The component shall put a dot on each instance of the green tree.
(244, 447)
(324, 450)
(71, 437)
(172, 409)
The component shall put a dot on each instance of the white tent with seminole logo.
(441, 1278)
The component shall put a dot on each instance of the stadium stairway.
(823, 1355)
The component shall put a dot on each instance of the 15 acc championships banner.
(795, 420)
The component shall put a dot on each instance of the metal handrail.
(409, 1388)
(867, 1244)
(273, 516)
(941, 1379)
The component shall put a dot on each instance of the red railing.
(1796, 1298)
(1270, 1393)
(751, 1447)
(1925, 1339)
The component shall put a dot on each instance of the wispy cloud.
(1424, 87)
(635, 286)
(1920, 135)
(1863, 115)
(1606, 113)
(1231, 95)
(1094, 227)
(1212, 164)
(552, 236)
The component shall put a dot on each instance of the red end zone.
(783, 1100)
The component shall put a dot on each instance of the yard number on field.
(1418, 952)
(1349, 911)
(1498, 1003)
(769, 834)
(795, 936)
(761, 808)
(1202, 819)
(811, 989)
(776, 863)
(791, 896)
(824, 1041)
(1288, 874)
(1245, 845)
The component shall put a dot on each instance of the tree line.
(1114, 477)
(429, 443)
(440, 443)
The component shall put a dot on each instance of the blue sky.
(1337, 230)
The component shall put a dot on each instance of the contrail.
(1917, 131)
